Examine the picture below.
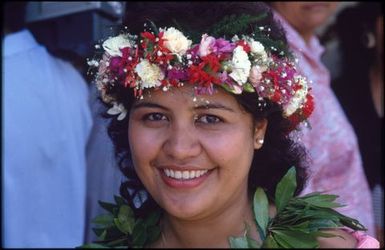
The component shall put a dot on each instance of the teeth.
(178, 174)
(185, 175)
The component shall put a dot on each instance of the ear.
(259, 133)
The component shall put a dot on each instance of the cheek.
(143, 146)
(231, 150)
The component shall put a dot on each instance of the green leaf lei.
(299, 220)
(297, 224)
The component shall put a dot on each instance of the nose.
(182, 142)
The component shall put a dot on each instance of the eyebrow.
(148, 105)
(214, 106)
(200, 107)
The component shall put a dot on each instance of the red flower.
(200, 77)
(303, 114)
(294, 121)
(205, 74)
(212, 63)
(244, 45)
(154, 49)
(308, 107)
(148, 35)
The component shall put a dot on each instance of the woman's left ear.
(259, 133)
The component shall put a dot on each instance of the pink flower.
(103, 65)
(177, 74)
(223, 46)
(255, 75)
(206, 45)
(210, 45)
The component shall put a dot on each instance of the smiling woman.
(202, 133)
(193, 156)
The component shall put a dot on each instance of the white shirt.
(47, 121)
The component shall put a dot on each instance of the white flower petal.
(175, 41)
(237, 89)
(113, 111)
(241, 66)
(122, 115)
(118, 109)
(150, 74)
(299, 97)
(113, 45)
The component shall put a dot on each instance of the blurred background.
(70, 29)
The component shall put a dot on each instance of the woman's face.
(193, 156)
(306, 15)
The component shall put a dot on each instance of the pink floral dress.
(336, 165)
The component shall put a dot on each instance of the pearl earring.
(260, 141)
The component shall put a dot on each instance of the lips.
(176, 178)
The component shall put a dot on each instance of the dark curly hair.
(278, 153)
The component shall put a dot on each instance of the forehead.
(186, 96)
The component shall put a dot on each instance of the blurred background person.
(46, 121)
(360, 88)
(53, 25)
(331, 142)
(103, 175)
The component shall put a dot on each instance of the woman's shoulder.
(364, 240)
(348, 239)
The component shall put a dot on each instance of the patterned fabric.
(336, 165)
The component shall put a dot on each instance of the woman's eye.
(209, 119)
(155, 117)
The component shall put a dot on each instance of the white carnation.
(299, 97)
(257, 47)
(235, 38)
(240, 65)
(258, 50)
(150, 74)
(175, 41)
(114, 44)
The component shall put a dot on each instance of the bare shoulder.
(343, 240)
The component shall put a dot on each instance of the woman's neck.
(209, 232)
(306, 35)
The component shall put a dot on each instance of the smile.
(184, 175)
(182, 179)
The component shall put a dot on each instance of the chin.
(185, 210)
(314, 23)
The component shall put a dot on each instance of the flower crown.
(166, 58)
